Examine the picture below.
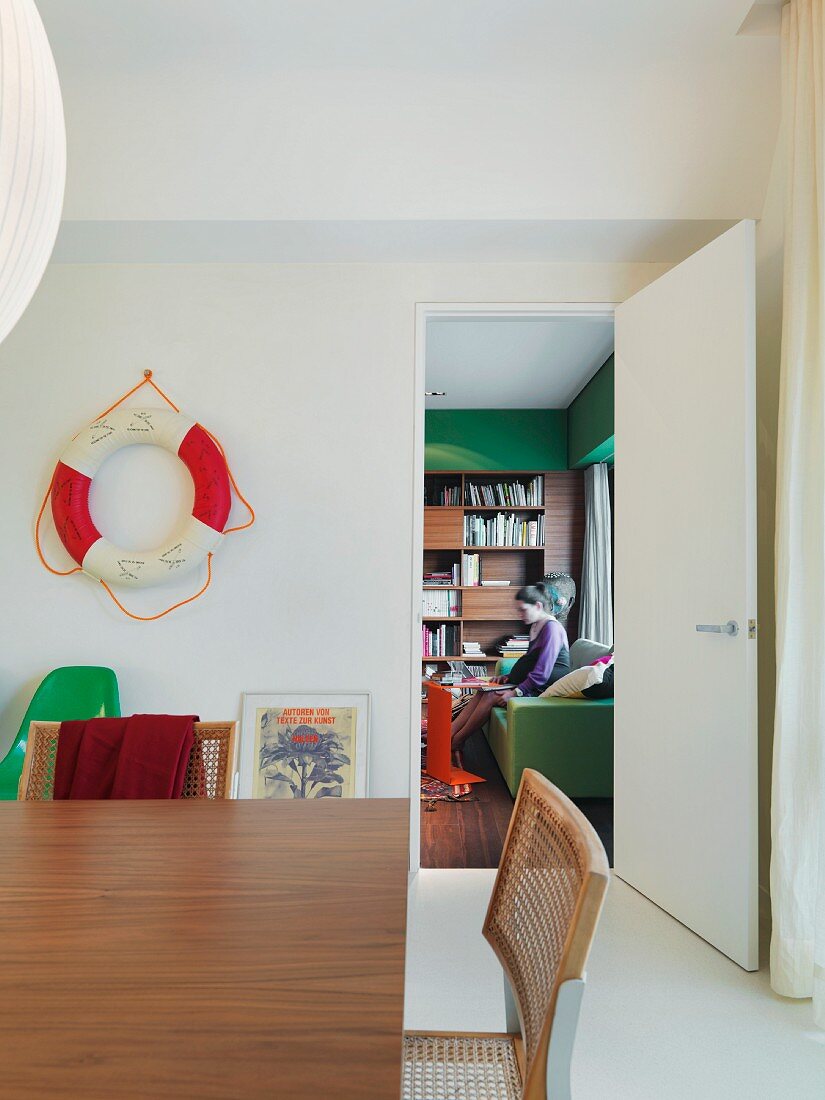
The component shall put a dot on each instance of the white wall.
(306, 374)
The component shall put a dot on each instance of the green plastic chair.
(76, 691)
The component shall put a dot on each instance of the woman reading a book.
(547, 659)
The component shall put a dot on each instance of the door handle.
(730, 627)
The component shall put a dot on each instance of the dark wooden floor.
(471, 833)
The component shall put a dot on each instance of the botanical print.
(305, 752)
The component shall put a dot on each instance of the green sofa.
(568, 740)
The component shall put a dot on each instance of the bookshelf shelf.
(470, 587)
(483, 507)
(483, 549)
(472, 659)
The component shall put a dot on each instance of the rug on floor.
(433, 790)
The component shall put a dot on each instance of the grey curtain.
(596, 610)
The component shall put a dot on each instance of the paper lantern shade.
(32, 157)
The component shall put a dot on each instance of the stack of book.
(441, 641)
(445, 604)
(472, 649)
(515, 646)
(510, 494)
(503, 530)
(444, 577)
(471, 569)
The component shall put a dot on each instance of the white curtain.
(596, 604)
(798, 796)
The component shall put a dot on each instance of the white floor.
(665, 1016)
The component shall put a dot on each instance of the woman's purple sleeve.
(548, 643)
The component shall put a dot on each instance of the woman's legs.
(474, 719)
(464, 715)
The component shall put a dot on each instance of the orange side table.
(439, 763)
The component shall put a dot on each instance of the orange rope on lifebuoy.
(174, 607)
(240, 495)
(147, 380)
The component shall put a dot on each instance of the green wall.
(495, 439)
(590, 421)
(525, 439)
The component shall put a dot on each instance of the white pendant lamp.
(32, 157)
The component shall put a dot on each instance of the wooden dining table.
(227, 949)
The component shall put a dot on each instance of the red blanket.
(144, 756)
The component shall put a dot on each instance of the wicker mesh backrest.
(207, 773)
(209, 761)
(42, 750)
(544, 873)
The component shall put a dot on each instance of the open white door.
(685, 530)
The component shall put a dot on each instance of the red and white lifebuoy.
(202, 531)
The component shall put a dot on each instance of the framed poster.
(313, 745)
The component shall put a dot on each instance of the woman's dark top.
(547, 659)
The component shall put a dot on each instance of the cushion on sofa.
(602, 690)
(573, 685)
(583, 651)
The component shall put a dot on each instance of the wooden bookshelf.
(488, 614)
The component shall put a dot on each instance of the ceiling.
(320, 111)
(518, 363)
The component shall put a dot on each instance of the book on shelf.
(441, 494)
(444, 577)
(515, 646)
(445, 604)
(507, 494)
(439, 641)
(503, 529)
(495, 584)
(470, 570)
(473, 649)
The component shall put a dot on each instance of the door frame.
(452, 310)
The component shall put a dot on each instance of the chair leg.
(513, 1024)
(562, 1037)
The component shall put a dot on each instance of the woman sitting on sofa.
(547, 659)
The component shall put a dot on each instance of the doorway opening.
(513, 404)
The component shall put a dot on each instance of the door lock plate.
(752, 628)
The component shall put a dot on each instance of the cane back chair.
(209, 772)
(541, 920)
